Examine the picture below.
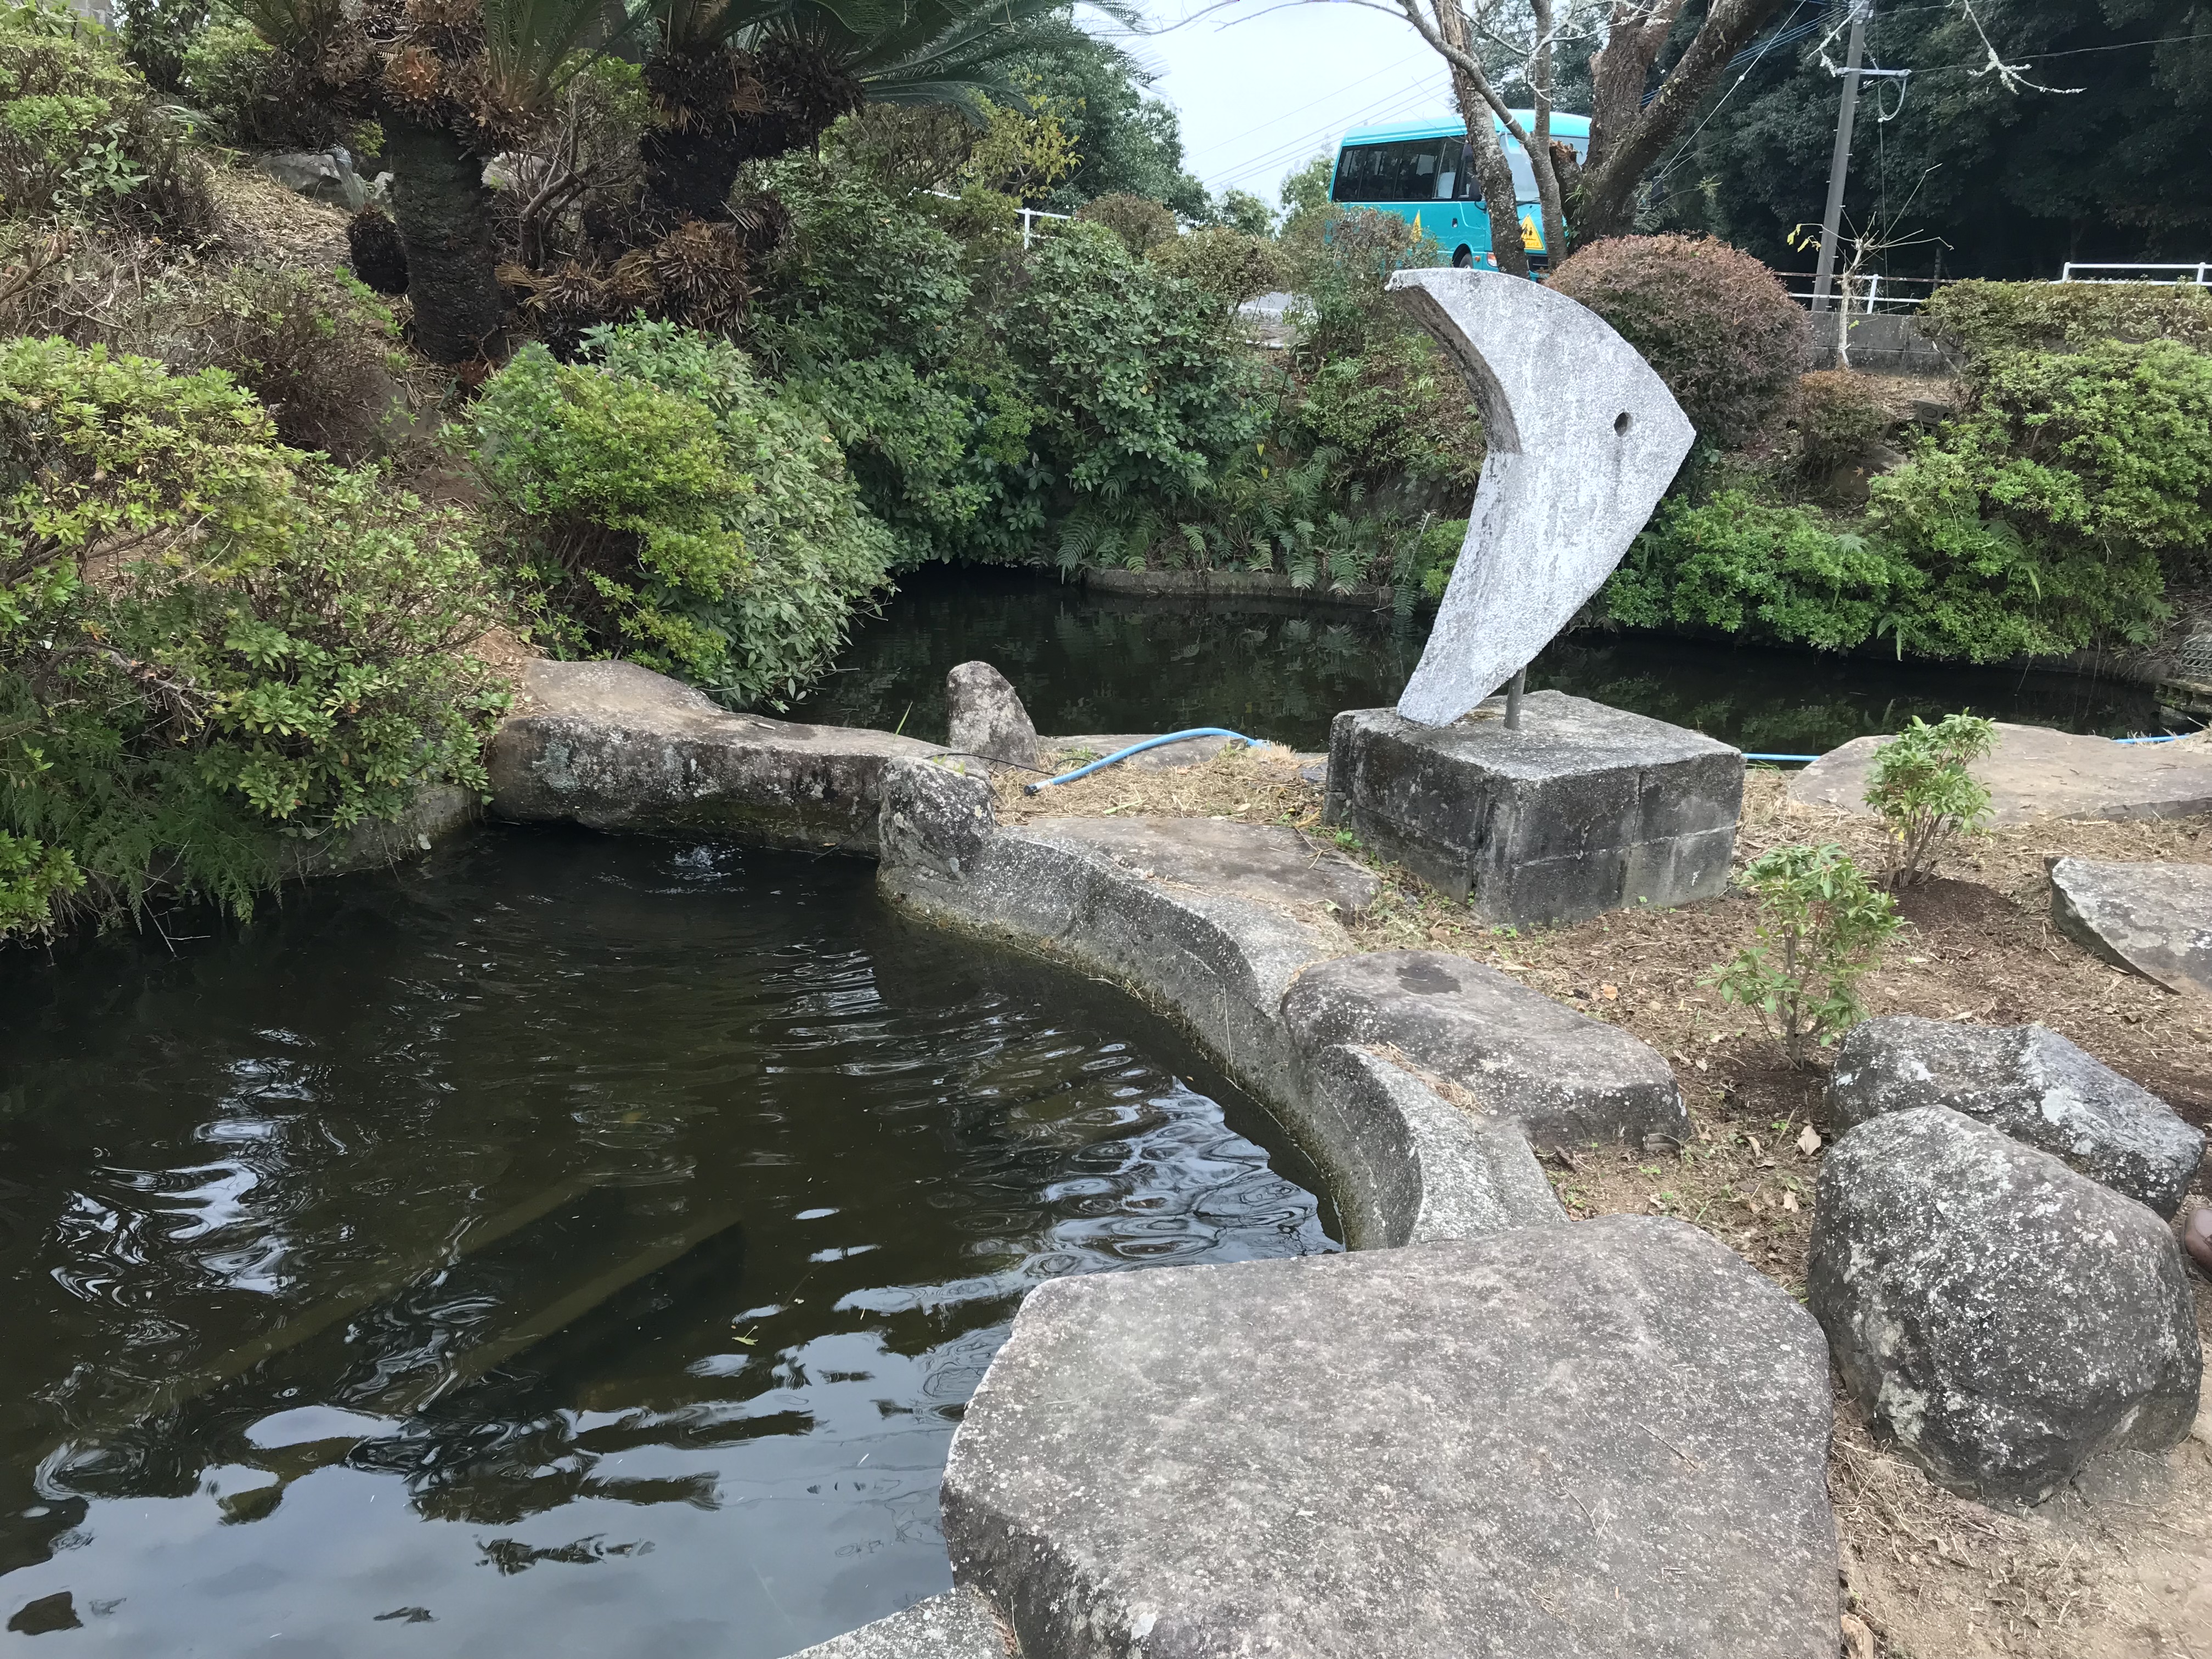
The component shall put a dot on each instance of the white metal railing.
(1030, 215)
(2199, 274)
(1864, 294)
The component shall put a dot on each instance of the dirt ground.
(2117, 1566)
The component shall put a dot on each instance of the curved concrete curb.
(1222, 927)
(613, 746)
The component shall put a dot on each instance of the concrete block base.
(1585, 809)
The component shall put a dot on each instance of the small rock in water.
(2030, 1083)
(988, 717)
(2004, 1317)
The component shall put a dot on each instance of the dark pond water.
(619, 1227)
(1093, 663)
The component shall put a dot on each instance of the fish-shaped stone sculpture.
(1582, 438)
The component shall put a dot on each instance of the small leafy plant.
(1821, 929)
(1921, 787)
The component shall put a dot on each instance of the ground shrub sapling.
(1821, 929)
(1921, 787)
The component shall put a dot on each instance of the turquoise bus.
(1420, 171)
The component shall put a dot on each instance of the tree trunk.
(443, 215)
(1540, 164)
(1489, 155)
(1627, 134)
(689, 172)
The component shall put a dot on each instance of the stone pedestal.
(1585, 809)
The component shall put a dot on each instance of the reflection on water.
(1097, 663)
(574, 1247)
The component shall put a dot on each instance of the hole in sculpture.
(1622, 421)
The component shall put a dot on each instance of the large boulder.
(1566, 1079)
(2004, 1317)
(2155, 920)
(2030, 1083)
(988, 720)
(1556, 1442)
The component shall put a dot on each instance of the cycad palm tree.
(740, 80)
(452, 82)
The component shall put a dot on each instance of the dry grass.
(261, 223)
(1251, 786)
(2118, 1566)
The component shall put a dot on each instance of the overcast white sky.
(1262, 86)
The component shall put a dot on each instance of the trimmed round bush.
(1141, 223)
(1228, 264)
(1837, 416)
(1716, 323)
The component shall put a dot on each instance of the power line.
(1398, 104)
(1288, 114)
(1284, 155)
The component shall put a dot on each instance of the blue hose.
(1139, 748)
(1782, 758)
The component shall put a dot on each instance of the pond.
(570, 1245)
(1087, 663)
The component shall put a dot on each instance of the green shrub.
(1232, 265)
(1139, 387)
(1368, 383)
(1983, 321)
(2040, 519)
(156, 34)
(678, 512)
(257, 97)
(1265, 510)
(1717, 324)
(1737, 564)
(889, 341)
(1837, 417)
(210, 646)
(1920, 785)
(1142, 225)
(1821, 929)
(81, 137)
(34, 877)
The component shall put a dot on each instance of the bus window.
(1524, 176)
(1409, 170)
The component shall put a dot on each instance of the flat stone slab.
(1605, 1439)
(957, 1625)
(2005, 1318)
(2152, 919)
(613, 746)
(2031, 1083)
(1566, 1079)
(2036, 773)
(1585, 809)
(1266, 863)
